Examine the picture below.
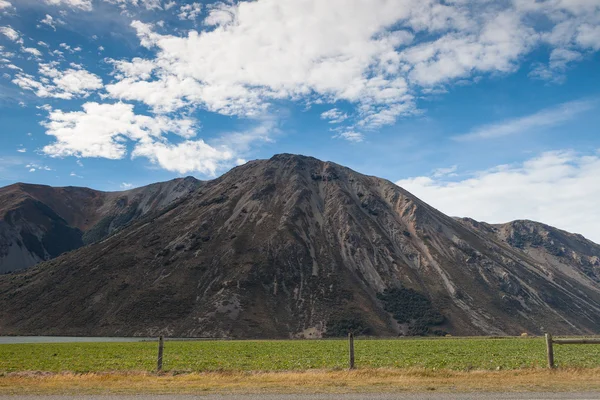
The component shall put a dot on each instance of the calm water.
(66, 339)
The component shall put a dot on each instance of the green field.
(188, 356)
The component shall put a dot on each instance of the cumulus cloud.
(185, 157)
(363, 52)
(325, 56)
(351, 136)
(85, 5)
(559, 188)
(541, 119)
(449, 171)
(4, 4)
(62, 84)
(106, 130)
(220, 14)
(148, 4)
(554, 70)
(101, 130)
(32, 50)
(334, 116)
(50, 21)
(377, 57)
(137, 68)
(69, 48)
(11, 34)
(37, 167)
(190, 11)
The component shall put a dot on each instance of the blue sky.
(488, 109)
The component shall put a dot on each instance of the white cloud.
(560, 59)
(557, 188)
(22, 150)
(137, 68)
(105, 130)
(351, 136)
(441, 172)
(4, 4)
(190, 11)
(32, 50)
(268, 50)
(220, 14)
(62, 84)
(11, 34)
(185, 157)
(102, 130)
(85, 5)
(495, 44)
(148, 4)
(13, 67)
(126, 185)
(334, 116)
(37, 167)
(242, 141)
(51, 22)
(69, 48)
(377, 57)
(541, 119)
(589, 36)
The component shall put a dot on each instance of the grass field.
(205, 356)
(311, 381)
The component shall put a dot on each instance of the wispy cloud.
(560, 188)
(10, 167)
(542, 119)
(441, 172)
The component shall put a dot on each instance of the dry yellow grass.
(313, 381)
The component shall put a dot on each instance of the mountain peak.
(297, 247)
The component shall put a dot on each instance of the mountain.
(38, 222)
(297, 247)
(570, 253)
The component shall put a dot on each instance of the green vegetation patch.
(342, 326)
(184, 356)
(411, 307)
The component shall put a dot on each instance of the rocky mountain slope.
(297, 247)
(38, 222)
(552, 248)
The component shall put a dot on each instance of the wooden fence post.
(161, 345)
(351, 345)
(550, 350)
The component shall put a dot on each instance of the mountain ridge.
(297, 247)
(32, 214)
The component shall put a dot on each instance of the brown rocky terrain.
(39, 222)
(297, 247)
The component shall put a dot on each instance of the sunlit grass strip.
(313, 381)
(205, 356)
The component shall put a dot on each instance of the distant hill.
(38, 223)
(297, 247)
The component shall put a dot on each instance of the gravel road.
(411, 396)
